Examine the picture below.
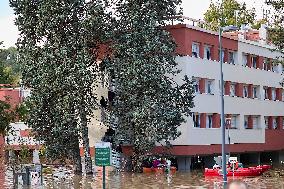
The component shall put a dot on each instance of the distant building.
(254, 96)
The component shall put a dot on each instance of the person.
(237, 184)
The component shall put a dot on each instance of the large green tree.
(149, 103)
(229, 12)
(57, 51)
(276, 31)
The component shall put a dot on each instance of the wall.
(206, 103)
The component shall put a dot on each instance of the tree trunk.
(77, 158)
(137, 159)
(86, 145)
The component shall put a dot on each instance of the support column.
(203, 120)
(239, 89)
(227, 88)
(260, 62)
(250, 122)
(249, 63)
(201, 50)
(226, 52)
(216, 120)
(279, 122)
(270, 122)
(269, 64)
(250, 95)
(279, 94)
(202, 85)
(269, 93)
(213, 54)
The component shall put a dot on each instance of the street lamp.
(223, 29)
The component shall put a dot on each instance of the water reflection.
(123, 180)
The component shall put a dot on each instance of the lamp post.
(223, 29)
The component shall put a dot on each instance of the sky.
(192, 8)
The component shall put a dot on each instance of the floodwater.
(123, 180)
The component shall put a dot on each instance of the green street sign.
(103, 154)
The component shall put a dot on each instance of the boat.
(233, 169)
(241, 172)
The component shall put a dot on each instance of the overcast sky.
(192, 8)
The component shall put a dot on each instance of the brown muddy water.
(124, 180)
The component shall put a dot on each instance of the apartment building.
(253, 95)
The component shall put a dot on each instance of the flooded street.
(123, 180)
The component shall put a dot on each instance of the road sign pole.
(104, 177)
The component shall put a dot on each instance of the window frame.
(197, 48)
(245, 91)
(207, 47)
(207, 81)
(196, 124)
(209, 122)
(254, 61)
(232, 86)
(229, 57)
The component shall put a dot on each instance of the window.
(273, 94)
(254, 92)
(254, 61)
(282, 123)
(209, 121)
(207, 52)
(254, 122)
(265, 64)
(245, 60)
(196, 120)
(274, 123)
(195, 50)
(245, 91)
(266, 122)
(246, 122)
(195, 82)
(232, 90)
(282, 94)
(209, 87)
(231, 57)
(265, 93)
(275, 67)
(234, 122)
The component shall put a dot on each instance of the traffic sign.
(102, 154)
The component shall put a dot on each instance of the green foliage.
(258, 23)
(57, 53)
(25, 154)
(22, 110)
(224, 14)
(276, 32)
(6, 116)
(9, 69)
(149, 104)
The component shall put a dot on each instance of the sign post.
(103, 157)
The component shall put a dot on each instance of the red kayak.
(240, 172)
(264, 167)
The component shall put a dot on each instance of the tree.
(8, 68)
(230, 12)
(149, 103)
(276, 32)
(57, 51)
